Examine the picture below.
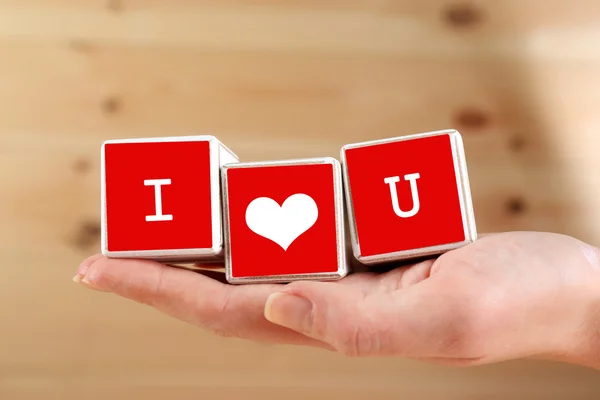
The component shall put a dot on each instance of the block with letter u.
(408, 197)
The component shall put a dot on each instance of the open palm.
(505, 296)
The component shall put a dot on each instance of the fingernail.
(82, 280)
(90, 285)
(86, 264)
(290, 311)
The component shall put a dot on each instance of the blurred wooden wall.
(275, 79)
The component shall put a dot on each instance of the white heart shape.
(283, 225)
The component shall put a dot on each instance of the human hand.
(505, 296)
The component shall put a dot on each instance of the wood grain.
(274, 80)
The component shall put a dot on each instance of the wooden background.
(275, 79)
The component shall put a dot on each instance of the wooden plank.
(420, 28)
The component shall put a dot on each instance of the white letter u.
(412, 178)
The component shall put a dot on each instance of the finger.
(213, 273)
(391, 281)
(232, 311)
(416, 321)
(453, 362)
(208, 266)
(401, 278)
(83, 267)
(196, 266)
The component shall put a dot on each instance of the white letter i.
(157, 183)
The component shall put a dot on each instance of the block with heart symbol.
(284, 221)
(161, 198)
(408, 197)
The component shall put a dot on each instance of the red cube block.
(284, 221)
(408, 197)
(161, 198)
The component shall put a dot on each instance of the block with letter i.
(408, 197)
(161, 198)
(284, 221)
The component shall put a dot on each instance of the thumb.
(335, 313)
(415, 322)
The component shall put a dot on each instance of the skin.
(506, 296)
